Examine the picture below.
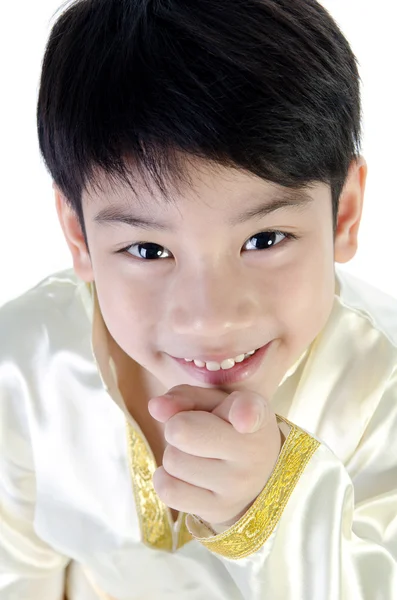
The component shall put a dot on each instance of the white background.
(31, 241)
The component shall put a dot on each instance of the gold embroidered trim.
(253, 529)
(152, 512)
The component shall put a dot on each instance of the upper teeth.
(228, 363)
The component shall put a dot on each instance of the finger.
(162, 408)
(223, 409)
(184, 397)
(188, 498)
(206, 473)
(246, 410)
(180, 495)
(250, 413)
(201, 434)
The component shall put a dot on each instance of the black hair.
(266, 86)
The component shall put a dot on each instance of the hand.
(221, 450)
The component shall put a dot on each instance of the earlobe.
(74, 237)
(350, 211)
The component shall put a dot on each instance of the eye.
(268, 239)
(147, 251)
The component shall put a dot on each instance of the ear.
(74, 237)
(350, 211)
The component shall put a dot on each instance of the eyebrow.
(297, 199)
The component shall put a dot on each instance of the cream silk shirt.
(80, 518)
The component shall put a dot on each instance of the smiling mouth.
(214, 374)
(225, 365)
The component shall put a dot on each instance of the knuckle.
(170, 459)
(163, 485)
(175, 431)
(179, 389)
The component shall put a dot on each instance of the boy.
(176, 134)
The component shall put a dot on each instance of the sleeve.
(29, 568)
(320, 529)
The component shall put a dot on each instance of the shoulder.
(49, 293)
(43, 333)
(25, 325)
(371, 305)
(51, 305)
(39, 330)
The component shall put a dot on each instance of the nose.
(211, 303)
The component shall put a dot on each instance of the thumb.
(248, 411)
(223, 409)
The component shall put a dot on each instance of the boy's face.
(211, 291)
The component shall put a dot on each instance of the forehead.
(188, 178)
(200, 186)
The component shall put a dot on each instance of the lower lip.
(240, 371)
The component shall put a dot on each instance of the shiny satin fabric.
(78, 513)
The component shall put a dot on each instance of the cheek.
(130, 313)
(303, 294)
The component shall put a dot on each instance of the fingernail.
(260, 420)
(257, 423)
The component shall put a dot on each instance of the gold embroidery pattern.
(253, 529)
(155, 526)
(152, 512)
